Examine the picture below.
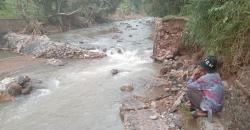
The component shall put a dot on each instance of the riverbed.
(83, 94)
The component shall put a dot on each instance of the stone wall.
(167, 37)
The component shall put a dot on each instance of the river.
(83, 95)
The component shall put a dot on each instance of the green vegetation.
(152, 7)
(59, 12)
(8, 9)
(163, 7)
(221, 27)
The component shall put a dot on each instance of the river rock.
(14, 89)
(129, 26)
(114, 71)
(165, 70)
(55, 62)
(168, 62)
(104, 49)
(177, 65)
(27, 88)
(127, 88)
(21, 80)
(116, 30)
(5, 97)
(154, 117)
(119, 50)
(81, 42)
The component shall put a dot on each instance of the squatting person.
(205, 89)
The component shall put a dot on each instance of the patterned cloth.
(212, 91)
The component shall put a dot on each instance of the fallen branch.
(66, 14)
(177, 102)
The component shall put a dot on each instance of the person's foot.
(189, 106)
(199, 113)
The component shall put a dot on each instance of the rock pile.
(12, 87)
(42, 46)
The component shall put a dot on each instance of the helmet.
(209, 63)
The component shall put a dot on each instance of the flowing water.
(83, 95)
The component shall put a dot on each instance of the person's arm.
(196, 81)
(196, 84)
(191, 79)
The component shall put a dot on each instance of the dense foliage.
(2, 2)
(221, 27)
(96, 8)
(62, 12)
(163, 7)
(152, 7)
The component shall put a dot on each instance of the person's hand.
(197, 73)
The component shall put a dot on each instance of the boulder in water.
(21, 80)
(119, 51)
(104, 49)
(114, 71)
(127, 88)
(14, 89)
(27, 88)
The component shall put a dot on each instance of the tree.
(75, 12)
(2, 2)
